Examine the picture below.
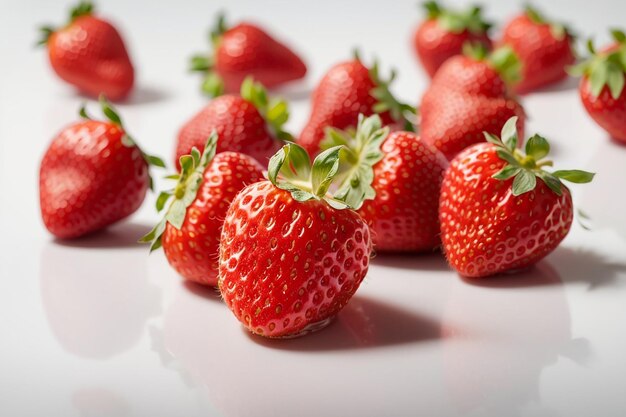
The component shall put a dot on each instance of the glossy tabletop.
(96, 327)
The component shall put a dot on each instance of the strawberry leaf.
(615, 80)
(551, 181)
(524, 182)
(575, 175)
(537, 147)
(508, 135)
(274, 111)
(325, 167)
(509, 171)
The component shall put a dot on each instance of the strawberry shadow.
(364, 323)
(119, 235)
(588, 267)
(141, 95)
(296, 91)
(432, 261)
(568, 84)
(541, 274)
(203, 291)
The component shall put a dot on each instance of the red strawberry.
(245, 50)
(292, 256)
(444, 32)
(468, 96)
(190, 230)
(347, 90)
(92, 175)
(495, 215)
(543, 47)
(250, 124)
(400, 181)
(89, 53)
(602, 86)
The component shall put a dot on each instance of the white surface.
(100, 329)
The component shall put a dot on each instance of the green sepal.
(526, 168)
(432, 9)
(82, 112)
(275, 111)
(184, 193)
(400, 112)
(83, 8)
(325, 167)
(454, 21)
(507, 63)
(559, 30)
(45, 33)
(219, 28)
(213, 84)
(200, 63)
(618, 35)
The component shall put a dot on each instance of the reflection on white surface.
(97, 299)
(499, 341)
(100, 402)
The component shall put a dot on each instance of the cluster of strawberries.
(288, 245)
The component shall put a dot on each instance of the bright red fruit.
(444, 32)
(190, 230)
(292, 256)
(90, 54)
(245, 50)
(499, 209)
(250, 123)
(602, 86)
(467, 96)
(400, 180)
(92, 175)
(347, 90)
(544, 48)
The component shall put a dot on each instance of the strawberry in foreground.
(544, 48)
(291, 255)
(90, 54)
(190, 230)
(249, 123)
(602, 86)
(499, 209)
(444, 32)
(92, 175)
(245, 50)
(400, 180)
(469, 95)
(347, 90)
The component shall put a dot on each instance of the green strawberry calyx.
(558, 30)
(290, 169)
(113, 116)
(274, 110)
(212, 84)
(604, 68)
(84, 8)
(455, 21)
(188, 181)
(503, 59)
(526, 167)
(361, 150)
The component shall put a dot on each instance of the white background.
(98, 328)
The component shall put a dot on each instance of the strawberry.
(495, 215)
(92, 175)
(544, 48)
(190, 229)
(250, 123)
(245, 50)
(347, 90)
(89, 53)
(400, 181)
(314, 249)
(602, 86)
(467, 96)
(444, 32)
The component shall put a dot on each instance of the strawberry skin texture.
(288, 267)
(466, 98)
(606, 111)
(485, 230)
(544, 57)
(90, 54)
(434, 44)
(343, 93)
(89, 179)
(240, 127)
(246, 50)
(404, 215)
(194, 249)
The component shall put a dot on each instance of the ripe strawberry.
(89, 53)
(469, 95)
(92, 175)
(444, 32)
(315, 249)
(495, 215)
(250, 123)
(602, 86)
(400, 181)
(245, 50)
(190, 230)
(543, 47)
(347, 90)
